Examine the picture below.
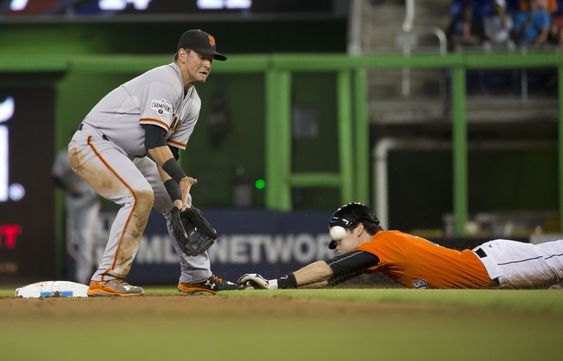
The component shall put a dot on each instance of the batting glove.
(251, 281)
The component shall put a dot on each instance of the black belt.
(495, 282)
(103, 135)
(480, 253)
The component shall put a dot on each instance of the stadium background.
(57, 67)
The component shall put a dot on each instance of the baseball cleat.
(210, 286)
(116, 287)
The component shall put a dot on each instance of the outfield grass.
(328, 324)
(523, 300)
(528, 300)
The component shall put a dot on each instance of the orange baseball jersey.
(418, 263)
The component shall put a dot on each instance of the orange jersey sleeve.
(418, 263)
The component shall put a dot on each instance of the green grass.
(353, 324)
(385, 336)
(523, 300)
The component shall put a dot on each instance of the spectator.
(556, 32)
(464, 30)
(531, 28)
(498, 27)
(551, 5)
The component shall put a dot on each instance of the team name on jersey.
(161, 106)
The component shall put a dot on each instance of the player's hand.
(186, 184)
(251, 281)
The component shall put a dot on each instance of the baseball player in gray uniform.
(126, 149)
(82, 209)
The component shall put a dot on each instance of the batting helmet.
(347, 216)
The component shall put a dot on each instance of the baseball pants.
(522, 265)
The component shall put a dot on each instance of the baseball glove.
(193, 233)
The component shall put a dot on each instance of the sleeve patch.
(161, 106)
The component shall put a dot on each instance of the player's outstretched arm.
(316, 273)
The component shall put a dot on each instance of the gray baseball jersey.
(108, 152)
(155, 97)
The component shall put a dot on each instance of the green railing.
(353, 130)
(353, 142)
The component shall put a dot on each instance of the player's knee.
(145, 199)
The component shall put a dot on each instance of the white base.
(52, 289)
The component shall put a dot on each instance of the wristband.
(287, 281)
(174, 170)
(173, 189)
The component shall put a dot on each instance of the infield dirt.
(268, 328)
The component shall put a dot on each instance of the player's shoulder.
(166, 70)
(393, 235)
(165, 74)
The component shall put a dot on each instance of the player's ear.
(359, 229)
(183, 54)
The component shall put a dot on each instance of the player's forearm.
(314, 273)
(167, 163)
(161, 154)
(172, 187)
(177, 183)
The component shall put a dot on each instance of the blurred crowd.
(505, 24)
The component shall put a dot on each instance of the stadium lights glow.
(223, 4)
(122, 4)
(18, 5)
(6, 113)
(4, 166)
(16, 191)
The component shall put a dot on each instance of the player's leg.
(553, 255)
(195, 272)
(192, 268)
(112, 175)
(517, 264)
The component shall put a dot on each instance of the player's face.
(198, 66)
(348, 243)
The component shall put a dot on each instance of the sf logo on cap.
(211, 40)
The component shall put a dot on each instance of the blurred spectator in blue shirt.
(498, 27)
(531, 28)
(464, 29)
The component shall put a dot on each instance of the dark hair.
(177, 54)
(370, 226)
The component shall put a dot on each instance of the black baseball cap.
(201, 42)
(348, 215)
(351, 213)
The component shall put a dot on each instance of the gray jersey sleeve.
(156, 103)
(180, 136)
